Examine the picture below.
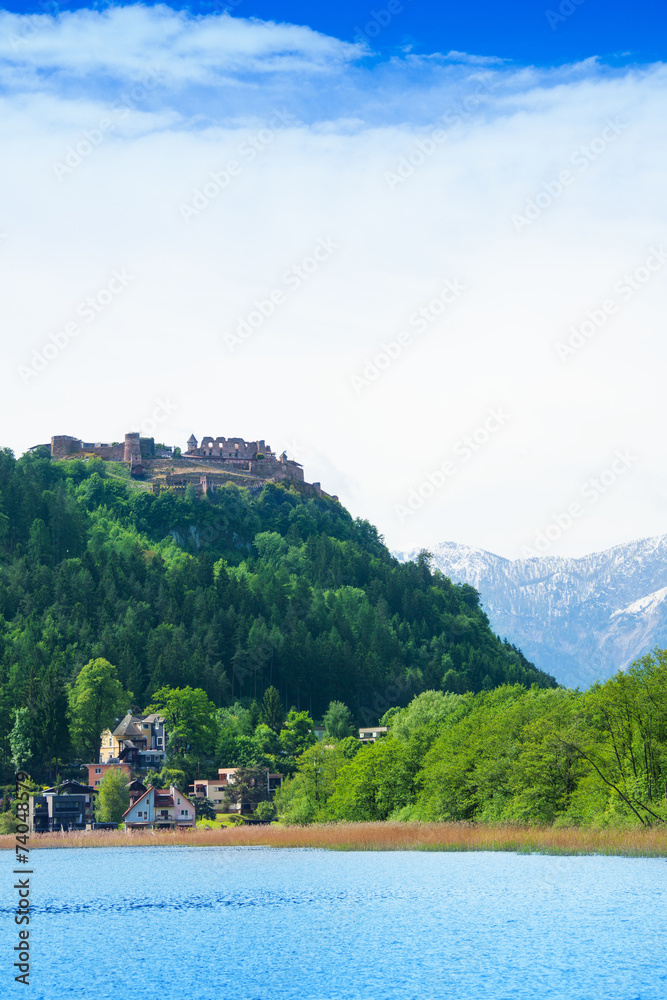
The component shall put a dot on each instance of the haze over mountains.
(579, 619)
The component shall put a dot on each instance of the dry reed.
(380, 837)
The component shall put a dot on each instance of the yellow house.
(138, 740)
(110, 747)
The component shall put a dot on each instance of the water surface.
(261, 923)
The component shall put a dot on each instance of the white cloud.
(509, 132)
(121, 41)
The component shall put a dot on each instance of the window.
(98, 770)
(159, 741)
(184, 812)
(97, 783)
(178, 802)
(145, 726)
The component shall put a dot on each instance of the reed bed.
(380, 837)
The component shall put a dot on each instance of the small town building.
(370, 734)
(138, 740)
(214, 789)
(69, 806)
(97, 771)
(160, 809)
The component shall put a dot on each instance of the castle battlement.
(226, 458)
(65, 446)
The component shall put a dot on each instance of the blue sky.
(431, 264)
(526, 31)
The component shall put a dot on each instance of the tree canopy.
(232, 594)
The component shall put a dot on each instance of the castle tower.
(132, 453)
(63, 445)
(192, 443)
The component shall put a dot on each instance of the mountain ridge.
(579, 618)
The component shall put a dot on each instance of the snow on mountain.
(579, 619)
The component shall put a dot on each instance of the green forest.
(112, 596)
(512, 755)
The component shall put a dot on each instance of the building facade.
(69, 806)
(140, 741)
(215, 788)
(370, 734)
(97, 771)
(160, 809)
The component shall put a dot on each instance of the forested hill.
(230, 593)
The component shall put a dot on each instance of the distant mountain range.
(579, 619)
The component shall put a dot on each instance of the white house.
(160, 808)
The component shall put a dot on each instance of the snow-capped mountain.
(579, 619)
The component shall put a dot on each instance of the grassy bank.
(382, 837)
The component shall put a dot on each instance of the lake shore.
(379, 837)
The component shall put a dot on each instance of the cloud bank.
(207, 159)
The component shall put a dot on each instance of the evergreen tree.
(273, 713)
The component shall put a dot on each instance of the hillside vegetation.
(232, 593)
(548, 757)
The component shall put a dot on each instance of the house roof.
(137, 801)
(70, 787)
(111, 762)
(163, 798)
(128, 726)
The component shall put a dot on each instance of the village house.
(160, 809)
(139, 741)
(68, 806)
(214, 789)
(97, 771)
(370, 734)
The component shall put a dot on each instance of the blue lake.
(259, 924)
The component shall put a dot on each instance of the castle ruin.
(65, 446)
(254, 457)
(207, 465)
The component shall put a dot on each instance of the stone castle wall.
(228, 463)
(65, 446)
(229, 448)
(109, 452)
(62, 445)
